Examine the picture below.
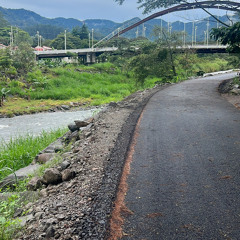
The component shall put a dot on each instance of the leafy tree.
(80, 32)
(24, 58)
(18, 36)
(73, 42)
(5, 59)
(76, 32)
(228, 36)
(84, 32)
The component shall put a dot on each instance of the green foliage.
(81, 32)
(20, 152)
(47, 31)
(157, 63)
(228, 36)
(8, 225)
(73, 42)
(24, 58)
(3, 21)
(5, 59)
(19, 36)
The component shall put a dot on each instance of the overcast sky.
(93, 9)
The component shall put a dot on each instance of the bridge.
(223, 5)
(88, 54)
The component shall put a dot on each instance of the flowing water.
(34, 124)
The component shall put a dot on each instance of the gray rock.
(43, 193)
(74, 136)
(50, 232)
(34, 184)
(68, 174)
(73, 127)
(19, 174)
(39, 215)
(52, 176)
(81, 123)
(87, 134)
(236, 86)
(49, 149)
(44, 157)
(113, 104)
(60, 217)
(25, 219)
(64, 165)
(65, 107)
(235, 91)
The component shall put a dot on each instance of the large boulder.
(68, 174)
(52, 176)
(44, 157)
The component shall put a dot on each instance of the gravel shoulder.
(80, 208)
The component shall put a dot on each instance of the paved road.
(185, 174)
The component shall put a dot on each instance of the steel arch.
(224, 5)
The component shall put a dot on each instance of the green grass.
(21, 151)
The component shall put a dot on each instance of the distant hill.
(26, 20)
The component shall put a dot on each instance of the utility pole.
(170, 31)
(184, 34)
(137, 32)
(38, 38)
(65, 40)
(207, 34)
(89, 40)
(205, 37)
(144, 31)
(195, 35)
(92, 38)
(193, 30)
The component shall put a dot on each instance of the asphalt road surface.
(185, 174)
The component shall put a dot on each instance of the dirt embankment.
(227, 90)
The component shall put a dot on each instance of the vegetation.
(228, 36)
(21, 151)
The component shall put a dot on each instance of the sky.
(94, 9)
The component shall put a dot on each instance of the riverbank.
(80, 208)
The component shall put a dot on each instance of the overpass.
(89, 54)
(204, 48)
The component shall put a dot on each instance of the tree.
(80, 32)
(84, 32)
(18, 36)
(228, 36)
(73, 42)
(24, 58)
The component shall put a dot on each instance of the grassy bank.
(21, 151)
(101, 83)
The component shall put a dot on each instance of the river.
(34, 124)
